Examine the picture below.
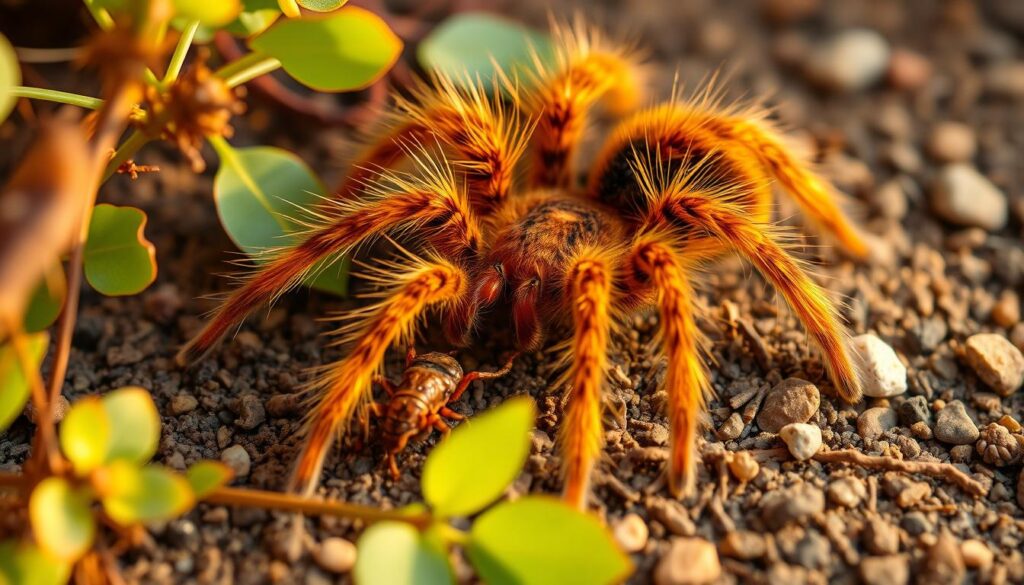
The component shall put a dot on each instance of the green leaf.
(206, 476)
(542, 540)
(396, 553)
(23, 563)
(136, 495)
(256, 17)
(322, 5)
(474, 465)
(134, 425)
(342, 51)
(119, 260)
(85, 435)
(215, 14)
(61, 519)
(14, 388)
(10, 77)
(47, 301)
(463, 46)
(257, 191)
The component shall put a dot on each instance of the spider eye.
(500, 270)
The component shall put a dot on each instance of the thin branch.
(938, 469)
(62, 97)
(294, 503)
(180, 51)
(247, 68)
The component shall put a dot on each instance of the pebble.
(961, 454)
(183, 404)
(883, 374)
(689, 561)
(237, 458)
(915, 523)
(851, 61)
(914, 409)
(743, 545)
(251, 413)
(743, 466)
(887, 570)
(909, 70)
(631, 533)
(793, 505)
(873, 422)
(1006, 312)
(336, 555)
(802, 439)
(954, 426)
(952, 142)
(976, 554)
(962, 196)
(907, 492)
(944, 565)
(881, 537)
(996, 361)
(731, 429)
(848, 492)
(921, 430)
(791, 401)
(284, 405)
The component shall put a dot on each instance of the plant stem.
(39, 398)
(52, 95)
(136, 140)
(294, 503)
(180, 51)
(248, 67)
(100, 15)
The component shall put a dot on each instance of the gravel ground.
(913, 108)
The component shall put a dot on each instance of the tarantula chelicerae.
(674, 186)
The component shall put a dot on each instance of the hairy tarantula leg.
(715, 214)
(589, 282)
(686, 383)
(434, 205)
(588, 70)
(345, 386)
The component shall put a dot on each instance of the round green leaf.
(14, 388)
(395, 553)
(23, 563)
(256, 17)
(542, 540)
(474, 465)
(47, 301)
(208, 13)
(206, 476)
(134, 425)
(342, 51)
(85, 434)
(10, 77)
(257, 190)
(463, 46)
(322, 5)
(62, 521)
(135, 495)
(119, 260)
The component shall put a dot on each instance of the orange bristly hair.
(589, 284)
(588, 69)
(345, 387)
(394, 202)
(654, 255)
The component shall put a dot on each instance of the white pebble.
(961, 195)
(977, 555)
(882, 373)
(237, 458)
(631, 533)
(802, 439)
(336, 555)
(853, 60)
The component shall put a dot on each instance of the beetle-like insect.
(673, 187)
(419, 401)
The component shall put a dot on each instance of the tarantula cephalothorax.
(674, 186)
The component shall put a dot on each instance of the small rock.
(743, 545)
(847, 492)
(954, 426)
(60, 410)
(921, 430)
(689, 561)
(731, 428)
(884, 375)
(743, 465)
(237, 458)
(284, 405)
(672, 515)
(792, 400)
(907, 492)
(909, 70)
(915, 523)
(251, 413)
(183, 403)
(914, 409)
(952, 142)
(881, 537)
(631, 533)
(908, 446)
(336, 555)
(873, 422)
(976, 554)
(888, 570)
(802, 439)
(851, 61)
(996, 361)
(961, 454)
(793, 505)
(998, 447)
(1010, 423)
(964, 197)
(1006, 312)
(943, 563)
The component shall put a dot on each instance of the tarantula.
(673, 187)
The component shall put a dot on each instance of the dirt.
(932, 285)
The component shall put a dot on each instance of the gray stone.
(852, 60)
(961, 195)
(873, 422)
(914, 409)
(795, 504)
(237, 458)
(954, 426)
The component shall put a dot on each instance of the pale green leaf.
(395, 553)
(322, 5)
(47, 301)
(474, 465)
(256, 17)
(135, 495)
(119, 260)
(14, 388)
(61, 518)
(85, 434)
(539, 540)
(209, 13)
(10, 77)
(345, 50)
(258, 191)
(23, 563)
(134, 425)
(206, 476)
